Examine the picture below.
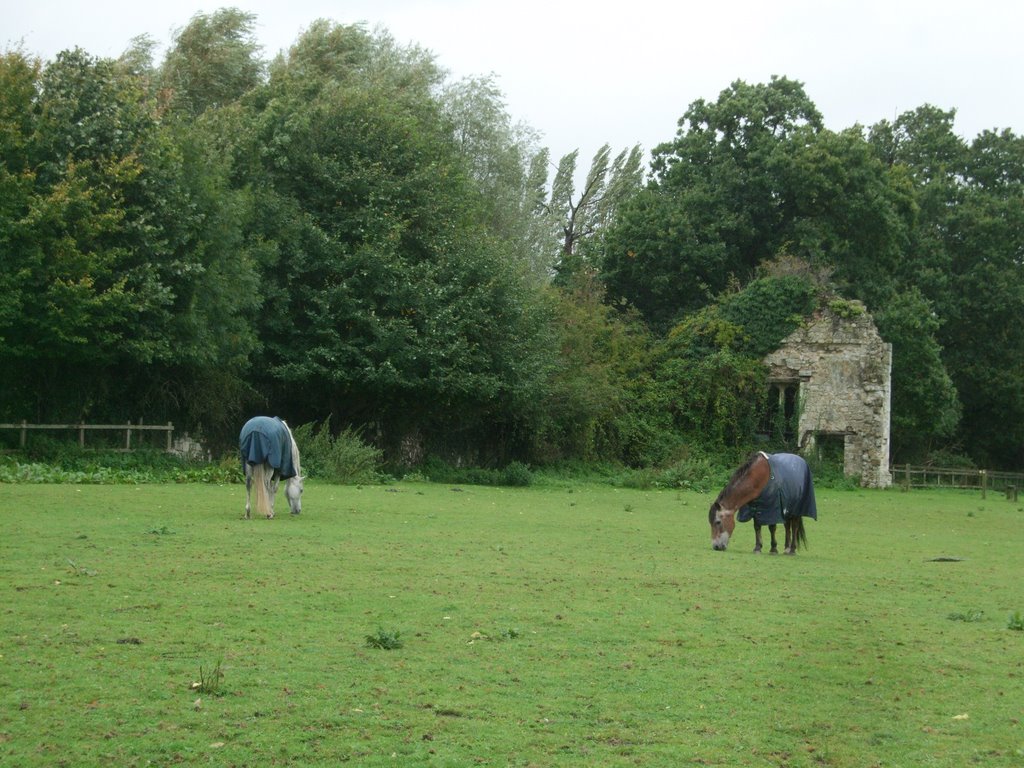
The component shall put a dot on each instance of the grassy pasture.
(541, 627)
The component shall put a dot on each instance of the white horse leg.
(275, 480)
(248, 490)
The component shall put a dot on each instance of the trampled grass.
(538, 627)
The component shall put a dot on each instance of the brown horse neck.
(746, 483)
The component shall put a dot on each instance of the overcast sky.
(586, 72)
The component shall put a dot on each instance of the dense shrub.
(514, 474)
(344, 458)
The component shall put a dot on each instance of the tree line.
(346, 233)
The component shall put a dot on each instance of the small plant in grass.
(1016, 622)
(210, 680)
(968, 616)
(80, 570)
(385, 639)
(509, 634)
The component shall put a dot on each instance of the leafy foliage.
(385, 639)
(111, 280)
(601, 352)
(342, 458)
(343, 231)
(925, 406)
(394, 305)
(515, 474)
(750, 178)
(716, 206)
(580, 220)
(768, 310)
(212, 63)
(708, 377)
(964, 258)
(70, 466)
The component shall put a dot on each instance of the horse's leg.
(791, 536)
(274, 480)
(248, 490)
(775, 543)
(757, 537)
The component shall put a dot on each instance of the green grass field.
(539, 627)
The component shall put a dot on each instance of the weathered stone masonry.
(840, 370)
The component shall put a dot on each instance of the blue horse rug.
(788, 493)
(266, 438)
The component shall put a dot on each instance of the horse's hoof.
(757, 550)
(774, 552)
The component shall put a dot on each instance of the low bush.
(345, 458)
(75, 466)
(515, 474)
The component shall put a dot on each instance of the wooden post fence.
(983, 480)
(24, 427)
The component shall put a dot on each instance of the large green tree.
(18, 90)
(982, 334)
(713, 207)
(965, 259)
(580, 218)
(752, 177)
(925, 407)
(392, 305)
(118, 238)
(212, 62)
(90, 298)
(587, 410)
(505, 164)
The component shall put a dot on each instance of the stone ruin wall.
(843, 370)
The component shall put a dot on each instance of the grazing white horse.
(269, 454)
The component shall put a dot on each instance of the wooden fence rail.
(128, 428)
(907, 477)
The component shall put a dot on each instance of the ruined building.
(833, 380)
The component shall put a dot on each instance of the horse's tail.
(800, 535)
(260, 479)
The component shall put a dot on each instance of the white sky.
(586, 72)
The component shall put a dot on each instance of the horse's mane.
(738, 475)
(295, 450)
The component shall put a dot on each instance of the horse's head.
(293, 492)
(723, 522)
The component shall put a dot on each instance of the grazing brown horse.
(768, 490)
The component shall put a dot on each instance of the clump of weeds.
(385, 639)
